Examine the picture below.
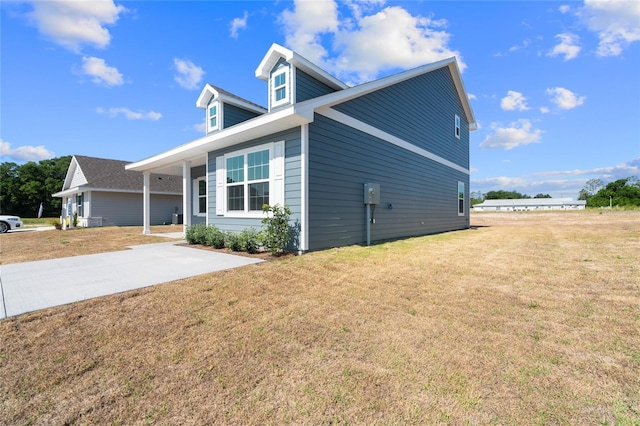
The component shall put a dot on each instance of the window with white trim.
(200, 196)
(248, 179)
(460, 198)
(457, 126)
(280, 87)
(212, 117)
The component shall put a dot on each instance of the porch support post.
(186, 195)
(304, 190)
(146, 203)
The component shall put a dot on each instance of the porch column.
(146, 203)
(186, 195)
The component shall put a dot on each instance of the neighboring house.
(103, 193)
(316, 146)
(530, 204)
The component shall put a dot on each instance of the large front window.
(248, 181)
(80, 204)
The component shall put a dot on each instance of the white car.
(9, 223)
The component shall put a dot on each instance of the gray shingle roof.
(111, 174)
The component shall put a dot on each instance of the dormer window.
(212, 117)
(280, 87)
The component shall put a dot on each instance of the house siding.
(234, 115)
(291, 179)
(422, 193)
(308, 87)
(125, 209)
(420, 111)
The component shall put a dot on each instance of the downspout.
(186, 195)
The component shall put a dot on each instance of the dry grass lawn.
(16, 247)
(525, 319)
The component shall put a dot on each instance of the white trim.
(218, 107)
(464, 198)
(304, 187)
(276, 179)
(286, 71)
(220, 195)
(195, 189)
(373, 131)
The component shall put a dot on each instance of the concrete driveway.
(37, 285)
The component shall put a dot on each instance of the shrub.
(215, 237)
(232, 241)
(276, 235)
(250, 240)
(196, 234)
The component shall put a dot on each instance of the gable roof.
(276, 52)
(292, 115)
(210, 91)
(100, 174)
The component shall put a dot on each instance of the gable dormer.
(224, 109)
(292, 78)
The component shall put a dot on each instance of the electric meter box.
(372, 193)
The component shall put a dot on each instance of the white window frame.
(284, 70)
(456, 130)
(461, 212)
(218, 116)
(276, 180)
(196, 197)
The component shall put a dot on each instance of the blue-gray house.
(322, 146)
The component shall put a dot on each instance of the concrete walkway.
(37, 285)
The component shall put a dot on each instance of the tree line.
(621, 192)
(478, 197)
(24, 187)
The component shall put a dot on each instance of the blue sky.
(554, 86)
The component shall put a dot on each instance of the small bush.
(232, 241)
(276, 235)
(196, 234)
(250, 240)
(215, 237)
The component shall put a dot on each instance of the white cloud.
(564, 98)
(615, 22)
(200, 127)
(24, 153)
(564, 8)
(101, 72)
(569, 46)
(366, 43)
(74, 23)
(514, 101)
(516, 134)
(619, 171)
(544, 110)
(238, 24)
(189, 75)
(129, 114)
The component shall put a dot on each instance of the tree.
(504, 195)
(24, 187)
(543, 196)
(476, 197)
(621, 192)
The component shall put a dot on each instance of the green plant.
(196, 234)
(214, 237)
(276, 235)
(250, 240)
(75, 220)
(232, 241)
